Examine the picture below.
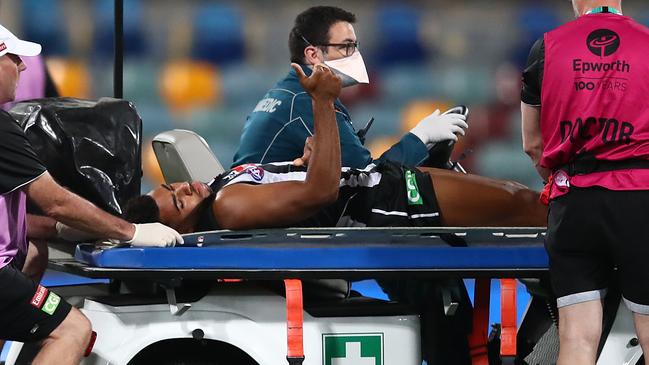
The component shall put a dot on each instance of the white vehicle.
(237, 323)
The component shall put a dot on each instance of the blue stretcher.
(341, 253)
(348, 253)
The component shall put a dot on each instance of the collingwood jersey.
(378, 195)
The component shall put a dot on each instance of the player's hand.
(437, 128)
(68, 233)
(155, 235)
(323, 84)
(308, 148)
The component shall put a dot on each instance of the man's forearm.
(69, 208)
(532, 139)
(80, 213)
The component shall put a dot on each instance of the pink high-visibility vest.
(595, 99)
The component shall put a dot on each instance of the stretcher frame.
(503, 253)
(481, 253)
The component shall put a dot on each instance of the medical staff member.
(28, 311)
(586, 128)
(278, 127)
(282, 121)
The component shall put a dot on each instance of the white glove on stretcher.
(146, 235)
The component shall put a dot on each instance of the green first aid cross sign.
(352, 349)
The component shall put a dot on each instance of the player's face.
(10, 67)
(179, 202)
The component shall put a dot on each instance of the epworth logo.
(603, 42)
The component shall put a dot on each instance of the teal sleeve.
(409, 151)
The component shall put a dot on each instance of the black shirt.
(18, 162)
(533, 74)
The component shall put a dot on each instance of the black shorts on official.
(592, 231)
(28, 311)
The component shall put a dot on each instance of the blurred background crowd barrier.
(204, 65)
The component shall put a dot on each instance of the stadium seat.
(469, 84)
(379, 145)
(140, 81)
(221, 127)
(403, 83)
(187, 84)
(43, 22)
(506, 161)
(398, 35)
(155, 118)
(218, 34)
(243, 83)
(71, 76)
(135, 41)
(418, 110)
(533, 20)
(386, 118)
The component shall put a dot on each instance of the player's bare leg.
(467, 200)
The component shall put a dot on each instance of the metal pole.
(118, 72)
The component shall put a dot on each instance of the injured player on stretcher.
(317, 192)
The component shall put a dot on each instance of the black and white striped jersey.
(386, 194)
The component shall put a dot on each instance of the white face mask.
(351, 70)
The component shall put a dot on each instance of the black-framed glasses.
(346, 49)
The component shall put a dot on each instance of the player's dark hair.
(141, 209)
(313, 26)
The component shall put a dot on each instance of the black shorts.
(386, 195)
(592, 231)
(404, 197)
(28, 311)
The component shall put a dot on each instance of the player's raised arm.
(242, 206)
(324, 88)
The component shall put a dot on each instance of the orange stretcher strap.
(478, 337)
(294, 321)
(508, 317)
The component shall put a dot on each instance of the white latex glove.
(155, 235)
(72, 234)
(436, 128)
